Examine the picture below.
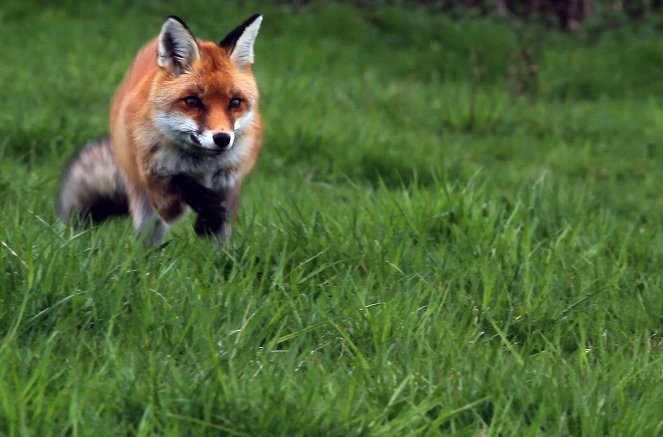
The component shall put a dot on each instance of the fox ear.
(239, 42)
(177, 46)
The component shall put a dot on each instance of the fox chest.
(215, 172)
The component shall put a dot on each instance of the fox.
(185, 129)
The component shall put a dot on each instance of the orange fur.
(158, 132)
(133, 132)
(185, 129)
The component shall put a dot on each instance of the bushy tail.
(92, 186)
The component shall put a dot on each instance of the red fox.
(185, 129)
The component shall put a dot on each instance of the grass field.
(434, 241)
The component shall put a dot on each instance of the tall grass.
(421, 250)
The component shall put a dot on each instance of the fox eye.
(193, 102)
(235, 103)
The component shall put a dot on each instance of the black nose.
(221, 139)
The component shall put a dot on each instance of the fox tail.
(92, 188)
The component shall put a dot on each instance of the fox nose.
(221, 139)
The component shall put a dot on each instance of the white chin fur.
(177, 127)
(183, 132)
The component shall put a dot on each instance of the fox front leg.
(146, 223)
(218, 223)
(217, 227)
(214, 207)
(154, 209)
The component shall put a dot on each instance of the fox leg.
(217, 224)
(215, 207)
(148, 226)
(218, 227)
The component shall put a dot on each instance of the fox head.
(204, 94)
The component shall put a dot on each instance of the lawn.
(454, 228)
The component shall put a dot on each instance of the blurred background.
(432, 70)
(374, 91)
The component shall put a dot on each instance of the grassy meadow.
(455, 228)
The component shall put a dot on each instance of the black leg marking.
(214, 208)
(203, 200)
(208, 227)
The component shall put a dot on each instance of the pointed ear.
(239, 42)
(177, 46)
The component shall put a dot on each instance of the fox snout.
(217, 142)
(212, 142)
(222, 140)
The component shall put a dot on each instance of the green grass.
(420, 250)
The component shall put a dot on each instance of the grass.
(421, 250)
